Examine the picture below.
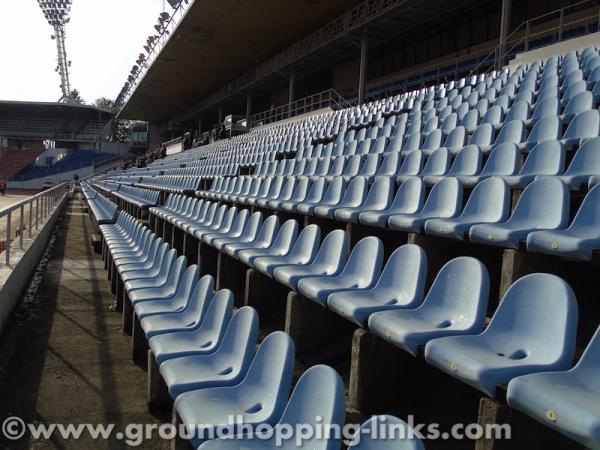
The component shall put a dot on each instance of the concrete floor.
(64, 359)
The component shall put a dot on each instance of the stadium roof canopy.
(52, 121)
(225, 49)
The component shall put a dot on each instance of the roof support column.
(504, 29)
(362, 76)
(249, 111)
(292, 93)
(220, 116)
(199, 125)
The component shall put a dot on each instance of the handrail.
(525, 27)
(45, 204)
(304, 105)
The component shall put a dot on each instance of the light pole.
(56, 13)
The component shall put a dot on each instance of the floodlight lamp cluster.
(164, 19)
(56, 12)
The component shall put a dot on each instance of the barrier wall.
(17, 278)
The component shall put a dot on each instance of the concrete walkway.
(64, 359)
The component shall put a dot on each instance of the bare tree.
(119, 128)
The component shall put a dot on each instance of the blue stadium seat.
(564, 401)
(189, 317)
(378, 198)
(546, 158)
(544, 204)
(227, 366)
(444, 200)
(280, 245)
(400, 285)
(329, 260)
(456, 304)
(488, 203)
(533, 330)
(203, 337)
(259, 398)
(303, 251)
(319, 393)
(584, 164)
(361, 271)
(408, 200)
(397, 435)
(174, 304)
(580, 240)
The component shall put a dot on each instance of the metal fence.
(305, 105)
(27, 215)
(549, 28)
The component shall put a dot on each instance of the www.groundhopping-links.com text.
(15, 428)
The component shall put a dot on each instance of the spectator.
(3, 188)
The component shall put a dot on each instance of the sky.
(104, 39)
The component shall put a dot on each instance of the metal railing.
(553, 24)
(31, 213)
(305, 105)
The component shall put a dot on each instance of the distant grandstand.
(42, 139)
(362, 225)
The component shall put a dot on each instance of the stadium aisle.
(65, 360)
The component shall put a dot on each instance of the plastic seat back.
(502, 161)
(586, 160)
(334, 250)
(445, 198)
(318, 393)
(456, 138)
(546, 129)
(489, 202)
(544, 204)
(458, 296)
(200, 298)
(549, 106)
(546, 158)
(584, 101)
(412, 164)
(239, 340)
(404, 275)
(306, 246)
(512, 132)
(355, 192)
(365, 262)
(389, 165)
(537, 319)
(316, 191)
(470, 121)
(398, 435)
(483, 135)
(410, 196)
(588, 215)
(466, 162)
(438, 163)
(267, 384)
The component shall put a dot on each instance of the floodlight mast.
(57, 15)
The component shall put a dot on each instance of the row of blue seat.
(540, 217)
(104, 211)
(206, 353)
(391, 302)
